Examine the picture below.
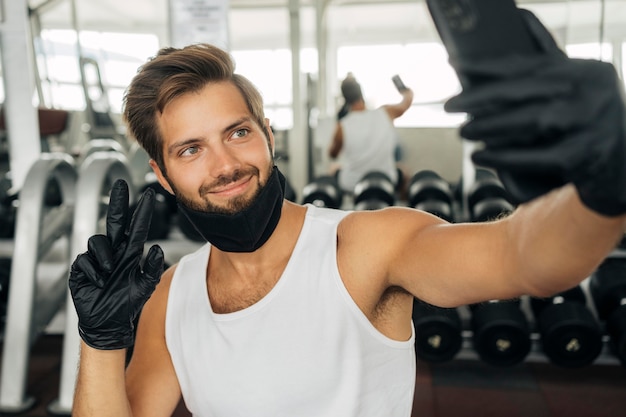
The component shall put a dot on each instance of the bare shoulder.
(383, 227)
(369, 241)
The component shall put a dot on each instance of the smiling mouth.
(232, 189)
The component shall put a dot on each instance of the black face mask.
(247, 230)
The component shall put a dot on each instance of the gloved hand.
(547, 120)
(107, 283)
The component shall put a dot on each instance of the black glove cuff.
(605, 206)
(103, 340)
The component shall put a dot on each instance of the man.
(293, 310)
(367, 138)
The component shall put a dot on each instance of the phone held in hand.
(475, 29)
(397, 81)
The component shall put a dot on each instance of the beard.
(234, 205)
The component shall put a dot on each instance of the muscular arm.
(545, 246)
(396, 110)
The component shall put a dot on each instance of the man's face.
(217, 158)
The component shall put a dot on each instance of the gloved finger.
(99, 248)
(530, 185)
(565, 156)
(537, 122)
(517, 126)
(540, 33)
(117, 214)
(488, 70)
(140, 223)
(83, 266)
(491, 98)
(153, 265)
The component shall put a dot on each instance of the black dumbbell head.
(428, 185)
(375, 186)
(570, 335)
(323, 192)
(616, 327)
(438, 332)
(500, 333)
(607, 286)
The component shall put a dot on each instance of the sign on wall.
(199, 21)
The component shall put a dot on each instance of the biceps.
(452, 265)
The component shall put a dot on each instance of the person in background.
(367, 139)
(292, 310)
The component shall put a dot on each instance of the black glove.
(107, 283)
(547, 120)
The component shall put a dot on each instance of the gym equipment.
(8, 208)
(9, 203)
(607, 286)
(323, 191)
(570, 336)
(38, 228)
(487, 199)
(500, 332)
(438, 332)
(374, 191)
(622, 243)
(5, 275)
(96, 175)
(165, 209)
(429, 192)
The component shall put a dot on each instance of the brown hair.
(172, 73)
(351, 90)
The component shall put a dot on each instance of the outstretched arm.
(546, 246)
(398, 109)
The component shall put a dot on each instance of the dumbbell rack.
(536, 354)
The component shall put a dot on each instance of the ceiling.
(266, 21)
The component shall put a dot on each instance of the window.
(422, 66)
(118, 54)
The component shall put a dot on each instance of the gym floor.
(461, 387)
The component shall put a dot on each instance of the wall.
(439, 149)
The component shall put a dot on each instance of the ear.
(160, 177)
(270, 134)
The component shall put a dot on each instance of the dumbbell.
(429, 192)
(8, 208)
(570, 336)
(622, 243)
(5, 277)
(165, 208)
(438, 332)
(487, 198)
(607, 286)
(323, 191)
(374, 191)
(500, 332)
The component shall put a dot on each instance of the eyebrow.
(172, 148)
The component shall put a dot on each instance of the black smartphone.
(474, 29)
(397, 81)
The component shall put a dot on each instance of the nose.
(223, 161)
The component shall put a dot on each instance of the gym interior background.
(65, 64)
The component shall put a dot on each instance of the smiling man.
(292, 310)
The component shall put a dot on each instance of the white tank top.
(369, 141)
(304, 350)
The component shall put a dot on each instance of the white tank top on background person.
(369, 141)
(304, 350)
